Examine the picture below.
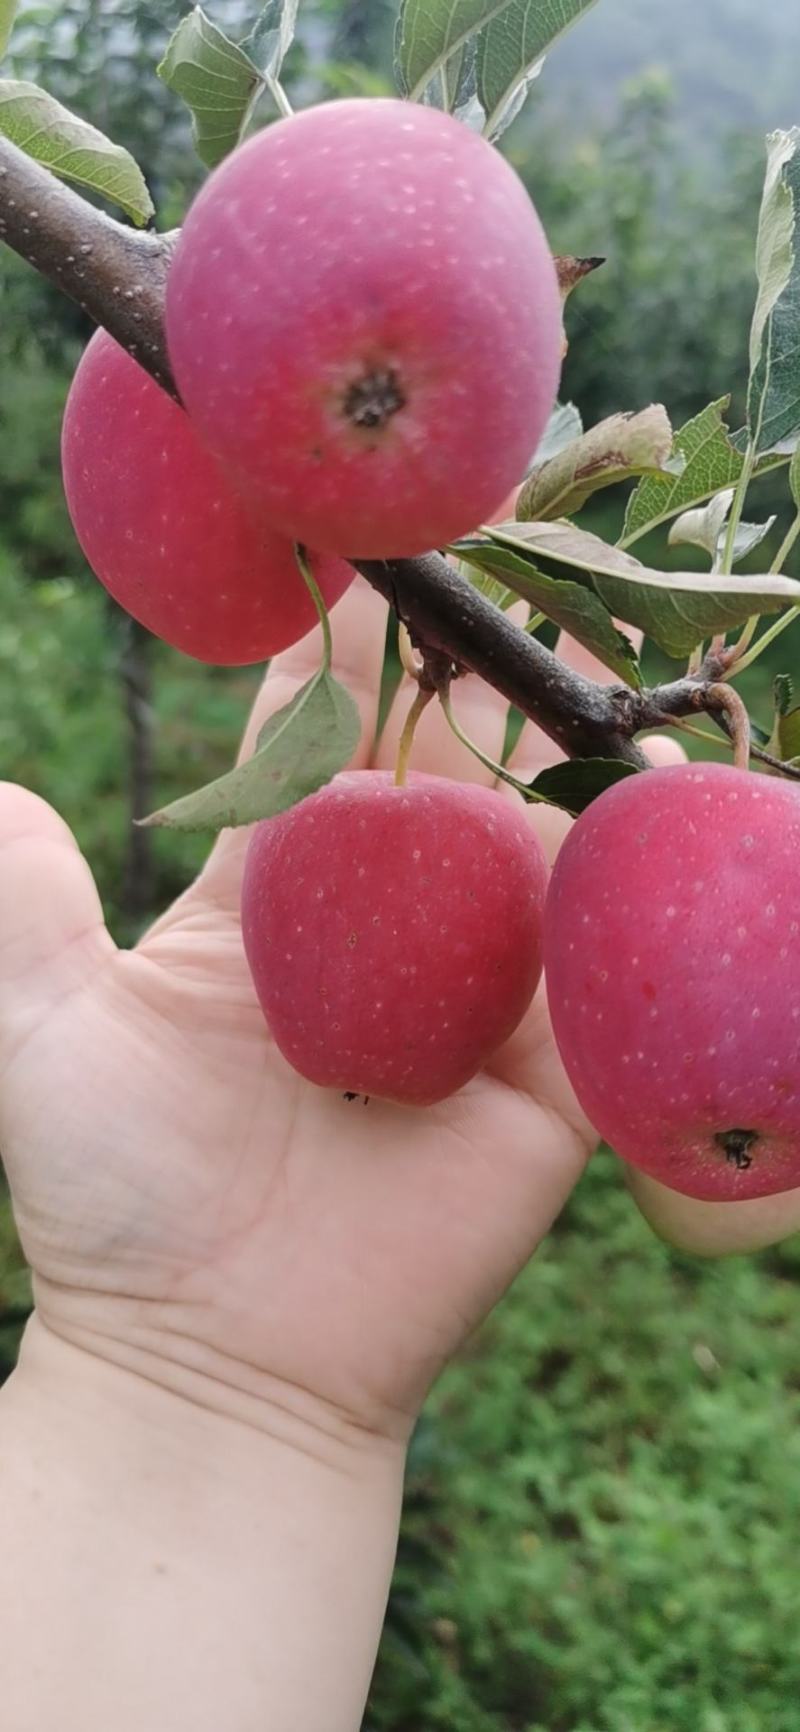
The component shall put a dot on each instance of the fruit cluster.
(364, 325)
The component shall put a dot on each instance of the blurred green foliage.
(603, 1493)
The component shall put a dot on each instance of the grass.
(604, 1498)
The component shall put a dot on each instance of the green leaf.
(7, 12)
(505, 111)
(710, 463)
(217, 81)
(794, 477)
(512, 44)
(71, 148)
(300, 749)
(572, 606)
(782, 692)
(272, 35)
(576, 783)
(616, 449)
(429, 31)
(784, 740)
(773, 403)
(789, 735)
(676, 609)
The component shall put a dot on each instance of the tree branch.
(118, 276)
(443, 612)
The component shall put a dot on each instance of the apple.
(364, 320)
(394, 933)
(672, 960)
(165, 530)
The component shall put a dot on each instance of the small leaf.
(511, 47)
(676, 609)
(429, 31)
(272, 35)
(706, 528)
(773, 403)
(576, 783)
(217, 81)
(572, 606)
(563, 427)
(71, 148)
(299, 750)
(748, 537)
(782, 693)
(616, 449)
(7, 12)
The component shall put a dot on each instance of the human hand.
(183, 1197)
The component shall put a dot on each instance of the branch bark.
(118, 276)
(443, 612)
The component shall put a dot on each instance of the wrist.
(135, 1399)
(247, 1554)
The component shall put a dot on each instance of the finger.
(714, 1229)
(663, 750)
(52, 932)
(482, 714)
(359, 635)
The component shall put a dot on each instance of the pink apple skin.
(364, 319)
(165, 531)
(672, 958)
(394, 934)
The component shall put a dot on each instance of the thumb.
(52, 933)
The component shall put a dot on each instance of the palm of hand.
(181, 1192)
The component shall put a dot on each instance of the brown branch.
(443, 612)
(116, 274)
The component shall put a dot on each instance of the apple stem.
(737, 720)
(412, 660)
(498, 770)
(316, 596)
(421, 702)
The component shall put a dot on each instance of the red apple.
(364, 320)
(164, 529)
(394, 934)
(672, 958)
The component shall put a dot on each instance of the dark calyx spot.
(736, 1146)
(373, 400)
